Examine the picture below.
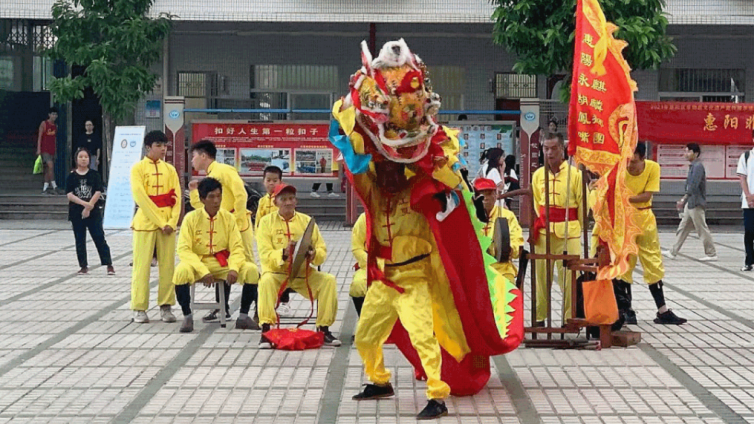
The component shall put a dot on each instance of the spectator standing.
(510, 178)
(92, 142)
(46, 142)
(745, 173)
(694, 203)
(84, 188)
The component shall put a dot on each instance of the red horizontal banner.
(686, 122)
(299, 149)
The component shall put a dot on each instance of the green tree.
(117, 43)
(541, 34)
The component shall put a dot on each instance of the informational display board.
(719, 161)
(482, 135)
(300, 149)
(732, 155)
(120, 206)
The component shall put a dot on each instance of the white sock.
(45, 186)
(52, 183)
(663, 309)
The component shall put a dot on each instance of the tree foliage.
(541, 33)
(116, 42)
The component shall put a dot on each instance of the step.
(25, 215)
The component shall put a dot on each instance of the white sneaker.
(284, 310)
(668, 254)
(140, 317)
(333, 194)
(315, 195)
(166, 314)
(708, 259)
(747, 268)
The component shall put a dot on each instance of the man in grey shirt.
(693, 203)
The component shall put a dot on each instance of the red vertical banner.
(603, 128)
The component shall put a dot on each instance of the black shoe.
(212, 316)
(433, 410)
(264, 342)
(746, 268)
(631, 317)
(247, 324)
(330, 340)
(669, 318)
(373, 391)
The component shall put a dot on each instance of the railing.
(288, 110)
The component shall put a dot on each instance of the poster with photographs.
(253, 161)
(313, 161)
(226, 156)
(482, 135)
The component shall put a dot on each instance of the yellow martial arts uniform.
(234, 201)
(403, 236)
(558, 232)
(150, 178)
(648, 241)
(274, 235)
(358, 248)
(265, 207)
(507, 269)
(201, 238)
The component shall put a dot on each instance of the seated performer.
(234, 201)
(488, 190)
(404, 242)
(210, 249)
(358, 288)
(277, 233)
(271, 177)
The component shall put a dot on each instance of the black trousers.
(94, 225)
(316, 187)
(749, 235)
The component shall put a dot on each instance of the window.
(703, 85)
(450, 83)
(294, 86)
(6, 73)
(515, 86)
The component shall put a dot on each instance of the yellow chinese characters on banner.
(602, 130)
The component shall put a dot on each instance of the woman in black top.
(83, 188)
(92, 142)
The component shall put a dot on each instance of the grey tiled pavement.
(69, 353)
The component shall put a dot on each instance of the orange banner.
(602, 129)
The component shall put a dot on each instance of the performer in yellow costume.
(234, 201)
(277, 232)
(562, 239)
(404, 245)
(488, 189)
(643, 180)
(358, 290)
(271, 178)
(155, 188)
(210, 249)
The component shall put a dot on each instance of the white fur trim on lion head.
(394, 54)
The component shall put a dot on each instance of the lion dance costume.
(426, 250)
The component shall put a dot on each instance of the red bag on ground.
(296, 338)
(600, 307)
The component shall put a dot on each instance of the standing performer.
(488, 190)
(155, 187)
(358, 290)
(643, 180)
(234, 201)
(430, 290)
(211, 250)
(277, 232)
(565, 187)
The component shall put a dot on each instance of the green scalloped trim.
(502, 318)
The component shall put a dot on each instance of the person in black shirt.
(84, 188)
(92, 142)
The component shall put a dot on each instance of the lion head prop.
(395, 106)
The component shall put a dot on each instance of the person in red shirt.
(48, 132)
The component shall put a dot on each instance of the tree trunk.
(108, 122)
